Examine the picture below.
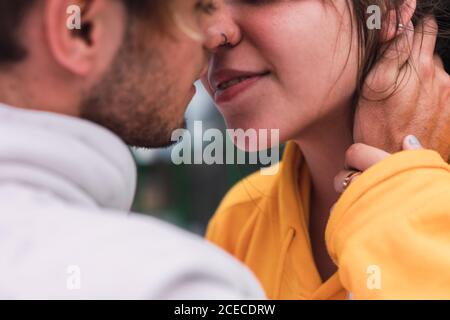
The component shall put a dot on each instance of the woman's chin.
(253, 136)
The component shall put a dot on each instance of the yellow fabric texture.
(389, 233)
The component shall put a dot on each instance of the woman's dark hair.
(370, 46)
(12, 13)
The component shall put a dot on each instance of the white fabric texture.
(66, 187)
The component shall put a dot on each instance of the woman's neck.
(323, 147)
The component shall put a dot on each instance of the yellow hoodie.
(389, 233)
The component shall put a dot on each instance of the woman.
(298, 66)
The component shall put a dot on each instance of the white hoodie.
(66, 186)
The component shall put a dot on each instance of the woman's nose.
(223, 31)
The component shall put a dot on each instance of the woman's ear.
(396, 21)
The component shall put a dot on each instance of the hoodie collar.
(76, 160)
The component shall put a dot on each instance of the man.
(66, 183)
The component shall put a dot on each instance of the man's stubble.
(135, 98)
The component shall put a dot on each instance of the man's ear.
(78, 31)
(390, 27)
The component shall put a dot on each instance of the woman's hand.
(360, 157)
(421, 104)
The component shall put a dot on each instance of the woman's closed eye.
(208, 6)
(253, 2)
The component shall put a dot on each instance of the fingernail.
(414, 142)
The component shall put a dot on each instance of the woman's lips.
(226, 95)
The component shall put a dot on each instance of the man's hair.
(13, 12)
(11, 17)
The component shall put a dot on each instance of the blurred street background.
(186, 195)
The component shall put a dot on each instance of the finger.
(425, 38)
(341, 177)
(398, 51)
(438, 62)
(395, 55)
(361, 156)
(411, 143)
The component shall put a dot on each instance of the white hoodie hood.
(78, 161)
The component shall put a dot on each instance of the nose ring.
(225, 41)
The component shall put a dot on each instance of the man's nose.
(223, 31)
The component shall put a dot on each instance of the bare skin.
(421, 104)
(323, 167)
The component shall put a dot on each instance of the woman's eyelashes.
(208, 7)
(255, 2)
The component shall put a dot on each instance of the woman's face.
(294, 64)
